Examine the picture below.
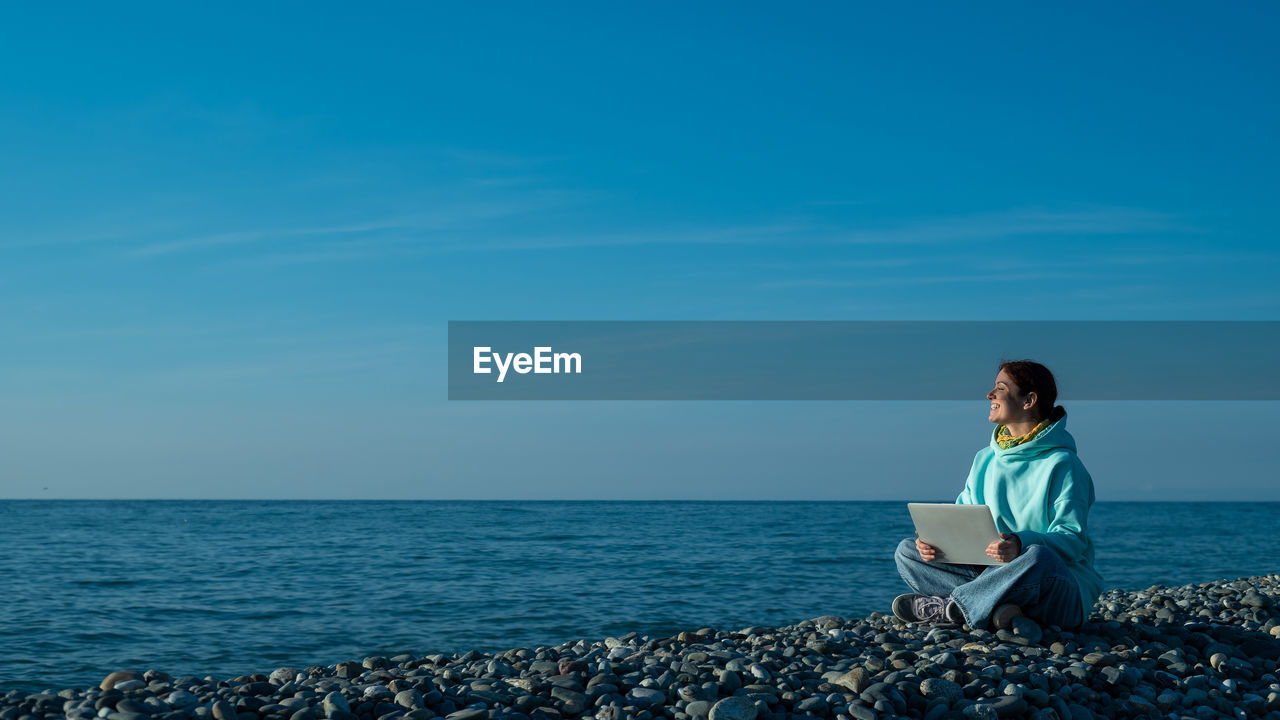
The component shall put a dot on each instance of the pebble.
(128, 685)
(335, 702)
(816, 705)
(938, 688)
(698, 708)
(119, 676)
(410, 698)
(222, 710)
(855, 680)
(1202, 651)
(646, 696)
(733, 708)
(1255, 600)
(1101, 659)
(182, 699)
(1007, 706)
(1028, 629)
(283, 675)
(861, 712)
(981, 711)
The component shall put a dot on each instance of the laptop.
(960, 532)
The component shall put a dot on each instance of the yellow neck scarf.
(1006, 440)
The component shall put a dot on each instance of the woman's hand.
(1003, 550)
(928, 553)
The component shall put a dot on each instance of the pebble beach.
(1200, 651)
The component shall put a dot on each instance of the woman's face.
(1007, 402)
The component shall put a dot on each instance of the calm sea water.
(226, 588)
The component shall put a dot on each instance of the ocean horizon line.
(593, 500)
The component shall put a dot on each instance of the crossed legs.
(1037, 581)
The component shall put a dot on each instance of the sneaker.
(927, 608)
(1003, 616)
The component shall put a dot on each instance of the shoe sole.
(902, 608)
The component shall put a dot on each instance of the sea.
(227, 588)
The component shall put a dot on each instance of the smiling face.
(1008, 405)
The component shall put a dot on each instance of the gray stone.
(490, 698)
(411, 699)
(940, 689)
(1025, 627)
(1035, 696)
(1101, 659)
(283, 675)
(127, 685)
(646, 696)
(1007, 705)
(981, 711)
(692, 693)
(119, 676)
(816, 705)
(1079, 712)
(222, 710)
(335, 702)
(182, 699)
(498, 668)
(1168, 700)
(128, 705)
(823, 646)
(698, 708)
(1255, 599)
(730, 681)
(348, 670)
(733, 708)
(570, 682)
(856, 680)
(861, 712)
(574, 701)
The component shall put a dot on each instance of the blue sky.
(231, 236)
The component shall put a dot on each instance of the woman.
(1039, 494)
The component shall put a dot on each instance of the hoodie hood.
(1054, 437)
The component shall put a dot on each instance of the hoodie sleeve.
(966, 495)
(1072, 494)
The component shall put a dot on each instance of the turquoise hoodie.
(1040, 492)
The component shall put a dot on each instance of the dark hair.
(1031, 376)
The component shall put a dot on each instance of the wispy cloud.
(950, 279)
(253, 236)
(487, 226)
(765, 233)
(935, 231)
(443, 218)
(1020, 223)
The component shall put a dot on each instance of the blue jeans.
(1037, 581)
